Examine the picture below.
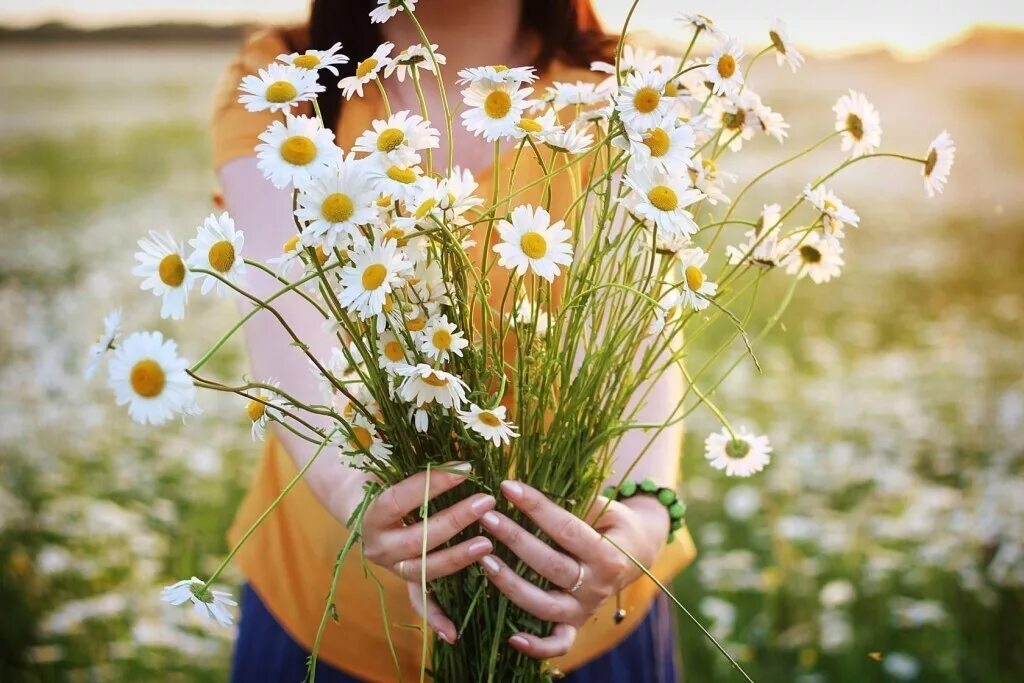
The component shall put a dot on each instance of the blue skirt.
(265, 653)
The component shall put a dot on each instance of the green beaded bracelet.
(666, 496)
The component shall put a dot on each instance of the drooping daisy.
(860, 123)
(162, 267)
(938, 163)
(415, 56)
(217, 247)
(146, 373)
(835, 215)
(785, 51)
(261, 412)
(494, 108)
(763, 247)
(489, 423)
(667, 146)
(295, 151)
(397, 182)
(441, 338)
(741, 456)
(398, 139)
(105, 342)
(571, 140)
(279, 87)
(700, 23)
(814, 256)
(662, 199)
(422, 384)
(536, 128)
(205, 601)
(364, 438)
(335, 203)
(386, 9)
(313, 60)
(641, 101)
(366, 71)
(723, 70)
(531, 241)
(375, 271)
(695, 288)
(499, 73)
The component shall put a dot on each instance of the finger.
(556, 567)
(603, 513)
(564, 528)
(547, 605)
(395, 502)
(445, 562)
(441, 526)
(555, 645)
(436, 618)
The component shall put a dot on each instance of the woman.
(288, 562)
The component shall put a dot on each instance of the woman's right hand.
(390, 543)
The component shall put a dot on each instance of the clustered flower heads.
(398, 253)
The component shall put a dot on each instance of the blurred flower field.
(885, 542)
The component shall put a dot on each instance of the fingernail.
(512, 489)
(491, 520)
(482, 502)
(518, 640)
(445, 637)
(479, 545)
(491, 564)
(464, 467)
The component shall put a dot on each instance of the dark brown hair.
(568, 30)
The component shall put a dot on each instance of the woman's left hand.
(639, 525)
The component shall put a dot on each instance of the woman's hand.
(639, 525)
(397, 547)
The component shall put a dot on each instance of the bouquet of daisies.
(486, 330)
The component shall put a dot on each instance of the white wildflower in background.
(859, 122)
(835, 215)
(279, 87)
(814, 256)
(206, 602)
(700, 23)
(530, 241)
(489, 423)
(901, 666)
(763, 247)
(146, 373)
(314, 60)
(494, 108)
(294, 151)
(386, 9)
(366, 71)
(742, 456)
(785, 51)
(334, 204)
(217, 247)
(105, 342)
(938, 163)
(723, 69)
(163, 271)
(580, 93)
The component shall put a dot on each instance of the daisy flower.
(580, 93)
(835, 215)
(666, 146)
(938, 162)
(523, 315)
(763, 247)
(263, 411)
(386, 9)
(490, 424)
(641, 101)
(815, 256)
(859, 122)
(536, 128)
(366, 71)
(295, 151)
(695, 288)
(335, 203)
(206, 602)
(396, 181)
(162, 267)
(440, 338)
(723, 71)
(375, 271)
(785, 51)
(494, 108)
(413, 56)
(291, 255)
(633, 60)
(313, 60)
(146, 373)
(740, 455)
(708, 179)
(458, 189)
(499, 73)
(700, 23)
(278, 88)
(398, 139)
(422, 384)
(531, 241)
(390, 350)
(364, 438)
(662, 199)
(217, 247)
(572, 140)
(105, 342)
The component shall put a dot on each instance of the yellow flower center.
(307, 61)
(394, 233)
(291, 245)
(426, 207)
(321, 255)
(489, 418)
(734, 120)
(809, 254)
(694, 277)
(361, 437)
(389, 139)
(147, 378)
(373, 276)
(255, 410)
(529, 125)
(500, 67)
(855, 126)
(533, 245)
(435, 380)
(498, 104)
(657, 141)
(415, 324)
(337, 207)
(222, 256)
(366, 67)
(393, 351)
(777, 41)
(172, 270)
(402, 175)
(710, 167)
(671, 89)
(389, 304)
(384, 201)
(663, 198)
(929, 163)
(646, 100)
(442, 339)
(726, 66)
(298, 150)
(281, 91)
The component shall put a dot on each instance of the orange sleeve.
(233, 130)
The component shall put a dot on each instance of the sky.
(907, 26)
